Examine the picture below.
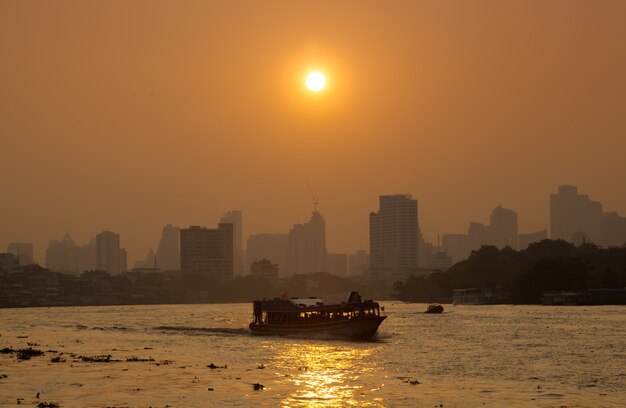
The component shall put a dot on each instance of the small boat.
(434, 308)
(347, 316)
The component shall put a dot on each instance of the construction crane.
(316, 200)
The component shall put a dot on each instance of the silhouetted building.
(87, 258)
(479, 235)
(63, 255)
(168, 251)
(234, 217)
(424, 250)
(306, 246)
(109, 256)
(358, 263)
(269, 246)
(613, 229)
(439, 261)
(572, 213)
(504, 227)
(9, 262)
(337, 264)
(526, 239)
(456, 246)
(264, 268)
(23, 250)
(394, 237)
(207, 251)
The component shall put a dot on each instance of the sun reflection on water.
(326, 375)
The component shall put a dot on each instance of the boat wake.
(205, 330)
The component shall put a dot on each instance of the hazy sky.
(127, 115)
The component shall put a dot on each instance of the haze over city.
(129, 116)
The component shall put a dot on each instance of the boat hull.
(357, 328)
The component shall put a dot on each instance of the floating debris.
(37, 396)
(97, 359)
(261, 366)
(412, 382)
(3, 376)
(57, 360)
(33, 344)
(48, 405)
(213, 366)
(210, 389)
(138, 360)
(27, 353)
(257, 387)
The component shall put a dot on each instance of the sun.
(315, 81)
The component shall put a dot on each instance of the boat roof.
(349, 300)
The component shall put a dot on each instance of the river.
(527, 356)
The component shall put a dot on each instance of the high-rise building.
(168, 251)
(524, 240)
(87, 257)
(572, 213)
(234, 217)
(63, 255)
(394, 232)
(9, 262)
(269, 246)
(337, 264)
(504, 227)
(207, 251)
(439, 261)
(307, 246)
(456, 246)
(109, 256)
(23, 250)
(613, 229)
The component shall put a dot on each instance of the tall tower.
(109, 256)
(394, 232)
(168, 251)
(234, 217)
(207, 251)
(504, 227)
(307, 246)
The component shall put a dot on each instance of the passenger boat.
(346, 317)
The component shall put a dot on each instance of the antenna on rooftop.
(316, 200)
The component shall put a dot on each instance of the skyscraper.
(168, 251)
(109, 256)
(504, 227)
(234, 217)
(307, 246)
(207, 251)
(63, 255)
(572, 213)
(394, 231)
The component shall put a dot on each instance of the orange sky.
(130, 115)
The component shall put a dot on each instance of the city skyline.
(117, 120)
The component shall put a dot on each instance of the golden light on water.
(326, 375)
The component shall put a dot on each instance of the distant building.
(268, 246)
(235, 217)
(526, 239)
(337, 264)
(63, 256)
(109, 256)
(148, 263)
(23, 250)
(306, 246)
(613, 229)
(9, 262)
(394, 237)
(168, 251)
(87, 258)
(207, 251)
(265, 269)
(439, 261)
(504, 228)
(572, 213)
(358, 263)
(457, 246)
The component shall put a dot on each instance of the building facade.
(306, 246)
(207, 251)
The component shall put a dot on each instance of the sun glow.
(315, 81)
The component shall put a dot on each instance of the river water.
(529, 356)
